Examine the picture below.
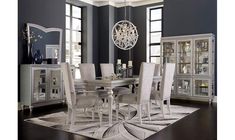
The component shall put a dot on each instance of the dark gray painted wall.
(50, 13)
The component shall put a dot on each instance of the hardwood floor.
(200, 125)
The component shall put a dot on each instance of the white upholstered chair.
(143, 92)
(164, 94)
(87, 71)
(107, 70)
(81, 101)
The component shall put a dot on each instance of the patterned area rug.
(127, 128)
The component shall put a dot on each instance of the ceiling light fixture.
(124, 34)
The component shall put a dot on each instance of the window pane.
(155, 50)
(67, 35)
(77, 74)
(67, 23)
(76, 23)
(76, 12)
(76, 50)
(67, 8)
(76, 36)
(67, 52)
(155, 60)
(156, 14)
(76, 61)
(155, 37)
(156, 26)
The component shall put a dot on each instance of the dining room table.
(110, 83)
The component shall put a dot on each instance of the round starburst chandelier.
(124, 34)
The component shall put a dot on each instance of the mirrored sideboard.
(194, 58)
(40, 84)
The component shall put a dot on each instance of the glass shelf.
(184, 56)
(184, 86)
(39, 85)
(201, 88)
(55, 87)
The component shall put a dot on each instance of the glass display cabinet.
(40, 84)
(194, 58)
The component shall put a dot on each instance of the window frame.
(149, 32)
(71, 30)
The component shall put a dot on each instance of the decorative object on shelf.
(124, 34)
(37, 57)
(124, 71)
(130, 69)
(119, 68)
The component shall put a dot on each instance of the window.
(154, 34)
(73, 21)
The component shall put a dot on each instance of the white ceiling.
(121, 3)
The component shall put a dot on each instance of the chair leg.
(100, 116)
(140, 113)
(162, 107)
(92, 114)
(129, 111)
(69, 113)
(168, 105)
(117, 110)
(148, 110)
(72, 117)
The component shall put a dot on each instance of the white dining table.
(109, 84)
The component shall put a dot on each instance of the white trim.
(120, 4)
(215, 99)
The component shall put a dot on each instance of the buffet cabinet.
(40, 84)
(194, 59)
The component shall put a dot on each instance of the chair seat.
(127, 98)
(87, 101)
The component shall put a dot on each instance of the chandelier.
(124, 34)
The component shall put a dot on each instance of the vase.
(30, 55)
(38, 57)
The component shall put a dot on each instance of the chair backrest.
(167, 80)
(87, 71)
(145, 82)
(157, 70)
(68, 83)
(106, 69)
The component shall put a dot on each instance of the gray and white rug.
(127, 128)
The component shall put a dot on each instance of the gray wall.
(50, 13)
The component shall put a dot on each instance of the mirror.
(46, 41)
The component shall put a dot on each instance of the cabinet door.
(201, 87)
(39, 83)
(184, 86)
(184, 59)
(201, 57)
(169, 52)
(55, 91)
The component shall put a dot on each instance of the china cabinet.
(194, 58)
(40, 85)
